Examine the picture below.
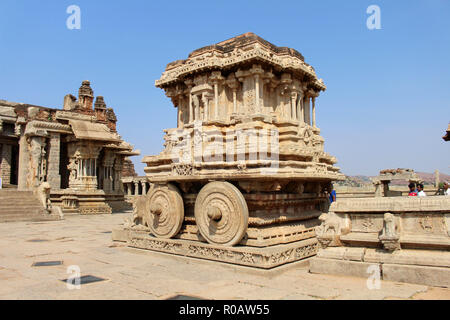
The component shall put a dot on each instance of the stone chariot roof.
(243, 49)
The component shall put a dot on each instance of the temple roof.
(245, 40)
(85, 130)
(244, 48)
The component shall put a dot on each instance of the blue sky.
(388, 99)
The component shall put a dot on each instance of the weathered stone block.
(355, 254)
(341, 267)
(332, 253)
(120, 235)
(431, 276)
(409, 257)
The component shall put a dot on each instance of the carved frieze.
(248, 256)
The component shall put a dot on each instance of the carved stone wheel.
(221, 213)
(166, 211)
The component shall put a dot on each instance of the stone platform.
(265, 258)
(413, 266)
(404, 239)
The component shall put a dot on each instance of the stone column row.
(87, 167)
(302, 104)
(303, 108)
(128, 187)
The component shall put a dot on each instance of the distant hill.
(428, 178)
(361, 180)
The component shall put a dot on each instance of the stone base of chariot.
(265, 258)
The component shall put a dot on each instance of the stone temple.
(243, 177)
(75, 151)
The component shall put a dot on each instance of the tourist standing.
(332, 195)
(412, 190)
(446, 189)
(420, 192)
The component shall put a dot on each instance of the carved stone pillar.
(285, 98)
(117, 183)
(234, 101)
(6, 155)
(258, 107)
(144, 187)
(205, 101)
(301, 111)
(189, 84)
(294, 105)
(314, 112)
(233, 84)
(196, 103)
(216, 100)
(23, 162)
(136, 188)
(216, 78)
(257, 71)
(179, 120)
(129, 188)
(107, 178)
(108, 171)
(53, 176)
(307, 110)
(386, 188)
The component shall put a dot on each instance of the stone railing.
(406, 239)
(369, 191)
(135, 186)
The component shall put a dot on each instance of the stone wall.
(128, 168)
(369, 191)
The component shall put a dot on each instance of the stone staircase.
(22, 206)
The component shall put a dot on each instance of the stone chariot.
(242, 178)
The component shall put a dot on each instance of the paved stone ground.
(85, 241)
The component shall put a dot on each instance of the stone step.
(23, 214)
(18, 201)
(33, 218)
(17, 196)
(22, 211)
(9, 186)
(12, 191)
(28, 204)
(21, 206)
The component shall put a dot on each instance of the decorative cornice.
(41, 127)
(67, 115)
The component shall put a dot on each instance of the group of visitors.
(414, 191)
(417, 191)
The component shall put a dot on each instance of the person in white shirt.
(446, 189)
(420, 191)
